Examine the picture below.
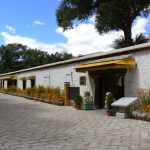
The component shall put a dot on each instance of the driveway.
(29, 125)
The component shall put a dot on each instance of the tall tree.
(110, 14)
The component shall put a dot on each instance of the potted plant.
(78, 101)
(108, 101)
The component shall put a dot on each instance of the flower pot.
(77, 106)
(109, 113)
(88, 106)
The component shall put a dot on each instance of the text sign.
(124, 101)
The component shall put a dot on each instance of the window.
(82, 80)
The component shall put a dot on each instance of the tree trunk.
(128, 36)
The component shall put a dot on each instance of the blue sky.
(21, 14)
(33, 22)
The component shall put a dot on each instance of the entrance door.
(115, 85)
(99, 93)
(108, 81)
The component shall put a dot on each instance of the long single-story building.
(122, 71)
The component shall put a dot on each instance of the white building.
(121, 71)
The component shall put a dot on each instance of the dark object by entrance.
(11, 83)
(24, 84)
(73, 92)
(32, 82)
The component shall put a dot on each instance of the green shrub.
(109, 99)
(78, 100)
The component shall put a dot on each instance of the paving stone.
(29, 125)
(135, 147)
(93, 145)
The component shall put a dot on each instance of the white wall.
(5, 84)
(138, 77)
(19, 84)
(58, 75)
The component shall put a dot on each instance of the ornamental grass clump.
(21, 92)
(28, 91)
(56, 95)
(3, 90)
(48, 94)
(31, 92)
(52, 95)
(12, 89)
(144, 99)
(55, 91)
(40, 90)
(147, 108)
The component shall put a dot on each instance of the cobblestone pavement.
(29, 125)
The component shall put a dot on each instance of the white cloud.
(85, 39)
(32, 43)
(139, 26)
(38, 23)
(10, 29)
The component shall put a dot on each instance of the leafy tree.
(33, 57)
(139, 39)
(16, 56)
(60, 56)
(8, 57)
(110, 14)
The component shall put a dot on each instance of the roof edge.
(85, 57)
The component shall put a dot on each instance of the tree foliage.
(16, 56)
(110, 14)
(139, 39)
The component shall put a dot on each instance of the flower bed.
(51, 95)
(142, 109)
(3, 90)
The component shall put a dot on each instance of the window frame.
(82, 80)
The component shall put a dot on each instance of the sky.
(33, 23)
